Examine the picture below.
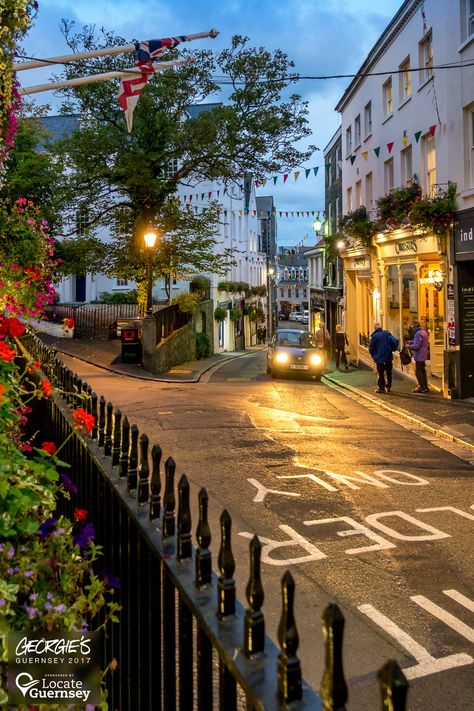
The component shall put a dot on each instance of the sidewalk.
(452, 419)
(106, 354)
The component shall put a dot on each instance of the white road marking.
(434, 533)
(357, 529)
(426, 664)
(295, 540)
(446, 617)
(417, 480)
(311, 477)
(462, 599)
(262, 491)
(460, 512)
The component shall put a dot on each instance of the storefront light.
(376, 293)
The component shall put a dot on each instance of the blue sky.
(321, 37)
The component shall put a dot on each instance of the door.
(80, 288)
(432, 315)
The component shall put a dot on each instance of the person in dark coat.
(340, 347)
(419, 348)
(381, 352)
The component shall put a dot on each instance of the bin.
(131, 343)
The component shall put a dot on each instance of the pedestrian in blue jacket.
(419, 348)
(380, 348)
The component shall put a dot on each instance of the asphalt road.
(374, 515)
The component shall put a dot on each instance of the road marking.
(311, 477)
(426, 664)
(295, 540)
(434, 533)
(447, 508)
(263, 491)
(358, 529)
(446, 617)
(462, 599)
(417, 480)
(362, 478)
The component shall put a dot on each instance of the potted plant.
(436, 213)
(220, 314)
(359, 226)
(394, 207)
(235, 314)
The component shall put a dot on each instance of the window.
(470, 18)
(357, 137)
(429, 164)
(330, 219)
(338, 212)
(289, 292)
(305, 293)
(348, 141)
(406, 165)
(339, 161)
(329, 171)
(471, 142)
(368, 119)
(349, 199)
(358, 194)
(122, 282)
(387, 98)
(405, 80)
(426, 58)
(170, 170)
(368, 191)
(388, 175)
(297, 293)
(282, 293)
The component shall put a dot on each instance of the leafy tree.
(127, 181)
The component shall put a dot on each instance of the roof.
(337, 136)
(195, 109)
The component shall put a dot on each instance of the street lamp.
(150, 240)
(317, 224)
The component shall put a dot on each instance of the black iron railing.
(92, 320)
(183, 640)
(168, 320)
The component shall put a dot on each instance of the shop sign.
(410, 246)
(451, 316)
(357, 263)
(466, 293)
(464, 235)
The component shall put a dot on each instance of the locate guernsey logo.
(53, 668)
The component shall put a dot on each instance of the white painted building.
(404, 116)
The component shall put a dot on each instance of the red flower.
(45, 385)
(83, 420)
(14, 326)
(6, 353)
(1, 392)
(80, 515)
(69, 322)
(49, 447)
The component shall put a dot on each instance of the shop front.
(464, 303)
(413, 286)
(361, 301)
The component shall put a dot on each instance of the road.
(362, 509)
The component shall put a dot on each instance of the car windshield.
(295, 339)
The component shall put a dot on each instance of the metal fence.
(92, 320)
(168, 320)
(183, 640)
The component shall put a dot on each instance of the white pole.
(35, 64)
(107, 76)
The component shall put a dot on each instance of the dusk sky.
(322, 37)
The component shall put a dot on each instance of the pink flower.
(14, 266)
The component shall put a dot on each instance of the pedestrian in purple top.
(419, 348)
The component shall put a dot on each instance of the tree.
(128, 181)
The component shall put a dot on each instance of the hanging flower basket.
(235, 314)
(220, 314)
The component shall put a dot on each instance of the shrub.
(188, 303)
(235, 314)
(359, 226)
(223, 286)
(435, 213)
(248, 308)
(119, 297)
(200, 285)
(259, 290)
(394, 207)
(203, 346)
(220, 314)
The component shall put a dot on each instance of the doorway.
(80, 288)
(432, 314)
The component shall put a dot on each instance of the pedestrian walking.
(419, 348)
(340, 347)
(381, 347)
(323, 339)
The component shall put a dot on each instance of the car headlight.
(281, 358)
(316, 360)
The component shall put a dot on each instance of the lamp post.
(271, 272)
(150, 240)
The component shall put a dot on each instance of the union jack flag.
(145, 54)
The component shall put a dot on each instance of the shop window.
(402, 298)
(406, 164)
(429, 164)
(388, 177)
(348, 141)
(425, 52)
(357, 131)
(368, 119)
(387, 98)
(405, 80)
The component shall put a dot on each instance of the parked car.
(295, 352)
(305, 318)
(284, 316)
(293, 316)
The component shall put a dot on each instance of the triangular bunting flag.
(417, 136)
(286, 214)
(257, 183)
(390, 146)
(190, 198)
(280, 213)
(188, 206)
(405, 141)
(377, 151)
(254, 212)
(315, 170)
(275, 180)
(433, 129)
(292, 214)
(285, 178)
(297, 175)
(218, 193)
(307, 172)
(353, 159)
(195, 209)
(202, 196)
(365, 155)
(209, 195)
(307, 213)
(264, 182)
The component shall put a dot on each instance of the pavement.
(450, 419)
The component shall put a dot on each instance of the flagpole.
(106, 76)
(107, 51)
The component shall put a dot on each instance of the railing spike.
(155, 483)
(94, 413)
(132, 473)
(333, 684)
(226, 564)
(101, 421)
(108, 430)
(124, 448)
(254, 623)
(117, 433)
(183, 537)
(289, 667)
(203, 558)
(143, 471)
(393, 687)
(169, 501)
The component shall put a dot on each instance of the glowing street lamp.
(150, 240)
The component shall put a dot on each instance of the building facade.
(333, 283)
(292, 290)
(407, 121)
